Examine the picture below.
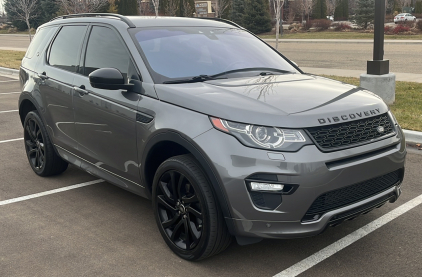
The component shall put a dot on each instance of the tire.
(187, 215)
(40, 151)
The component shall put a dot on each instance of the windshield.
(182, 52)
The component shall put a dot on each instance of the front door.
(105, 120)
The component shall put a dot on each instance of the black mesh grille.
(348, 195)
(342, 135)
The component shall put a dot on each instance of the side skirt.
(101, 173)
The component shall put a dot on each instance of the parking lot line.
(9, 140)
(330, 250)
(9, 92)
(9, 111)
(9, 81)
(36, 195)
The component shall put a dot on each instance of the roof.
(148, 21)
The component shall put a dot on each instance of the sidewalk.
(405, 77)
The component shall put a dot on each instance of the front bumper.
(314, 172)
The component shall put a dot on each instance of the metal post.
(379, 66)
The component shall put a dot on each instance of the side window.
(105, 49)
(40, 38)
(64, 52)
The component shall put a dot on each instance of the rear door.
(105, 120)
(56, 74)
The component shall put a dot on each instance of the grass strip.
(11, 59)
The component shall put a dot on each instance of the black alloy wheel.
(179, 210)
(34, 143)
(40, 151)
(187, 214)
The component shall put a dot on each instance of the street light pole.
(378, 79)
(379, 66)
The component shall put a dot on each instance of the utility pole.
(378, 78)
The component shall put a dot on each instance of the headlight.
(271, 138)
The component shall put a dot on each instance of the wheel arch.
(185, 145)
(26, 105)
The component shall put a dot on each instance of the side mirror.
(108, 78)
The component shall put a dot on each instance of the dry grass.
(11, 59)
(408, 105)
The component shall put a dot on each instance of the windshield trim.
(155, 76)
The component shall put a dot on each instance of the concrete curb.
(413, 136)
(355, 41)
(9, 71)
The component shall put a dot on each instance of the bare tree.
(187, 9)
(278, 5)
(82, 6)
(331, 6)
(156, 4)
(220, 7)
(171, 7)
(24, 10)
(307, 7)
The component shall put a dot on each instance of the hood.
(290, 100)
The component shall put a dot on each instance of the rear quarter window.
(39, 41)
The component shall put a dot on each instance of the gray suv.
(228, 137)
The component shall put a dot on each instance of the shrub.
(341, 26)
(419, 25)
(407, 23)
(307, 25)
(12, 30)
(321, 24)
(388, 29)
(401, 29)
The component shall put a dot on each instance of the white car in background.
(403, 17)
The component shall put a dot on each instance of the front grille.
(346, 134)
(336, 199)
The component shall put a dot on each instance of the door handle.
(81, 90)
(43, 76)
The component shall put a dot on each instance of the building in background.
(205, 8)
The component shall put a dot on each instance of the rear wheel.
(186, 212)
(39, 149)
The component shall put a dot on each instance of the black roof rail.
(221, 20)
(121, 17)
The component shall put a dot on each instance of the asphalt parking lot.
(102, 230)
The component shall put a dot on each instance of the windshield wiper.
(196, 79)
(263, 71)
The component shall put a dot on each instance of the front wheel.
(185, 210)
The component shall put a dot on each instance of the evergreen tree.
(320, 10)
(256, 17)
(237, 11)
(418, 7)
(365, 13)
(127, 7)
(48, 10)
(342, 10)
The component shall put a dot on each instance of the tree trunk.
(29, 29)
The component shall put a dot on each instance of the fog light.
(255, 186)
